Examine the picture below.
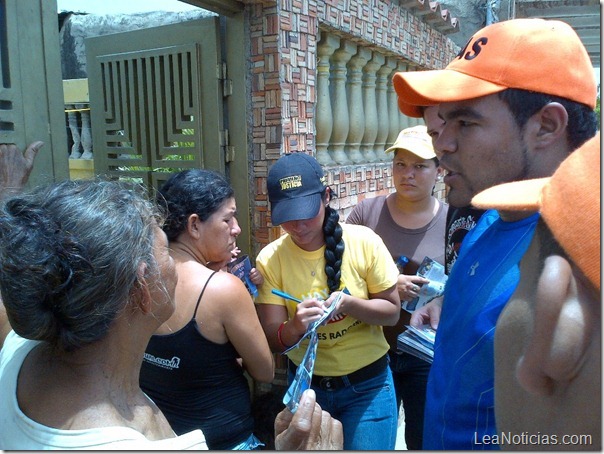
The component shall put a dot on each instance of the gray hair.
(69, 258)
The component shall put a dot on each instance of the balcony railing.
(357, 115)
(77, 113)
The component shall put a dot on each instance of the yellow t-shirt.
(345, 343)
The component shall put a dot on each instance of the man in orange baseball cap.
(516, 101)
(548, 377)
(511, 54)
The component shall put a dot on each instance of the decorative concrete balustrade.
(357, 115)
(78, 120)
(77, 111)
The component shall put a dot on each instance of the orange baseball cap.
(544, 56)
(569, 202)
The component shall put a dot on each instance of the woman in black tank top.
(194, 364)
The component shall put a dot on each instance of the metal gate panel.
(31, 92)
(156, 101)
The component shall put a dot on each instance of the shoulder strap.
(201, 294)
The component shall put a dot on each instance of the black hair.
(582, 119)
(334, 247)
(192, 191)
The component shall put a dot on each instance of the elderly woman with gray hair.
(86, 279)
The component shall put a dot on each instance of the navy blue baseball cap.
(295, 183)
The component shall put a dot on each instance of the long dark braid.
(334, 248)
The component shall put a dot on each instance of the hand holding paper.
(435, 273)
(305, 370)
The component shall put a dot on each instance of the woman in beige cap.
(412, 222)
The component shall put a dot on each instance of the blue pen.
(285, 295)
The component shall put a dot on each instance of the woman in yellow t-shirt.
(316, 259)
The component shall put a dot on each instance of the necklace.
(314, 266)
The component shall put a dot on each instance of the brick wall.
(283, 44)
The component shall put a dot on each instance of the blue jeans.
(367, 411)
(410, 376)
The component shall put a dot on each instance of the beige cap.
(416, 140)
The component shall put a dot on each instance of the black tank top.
(198, 384)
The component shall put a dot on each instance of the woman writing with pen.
(313, 262)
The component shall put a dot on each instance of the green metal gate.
(156, 101)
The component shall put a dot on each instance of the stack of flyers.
(418, 342)
(435, 273)
(303, 375)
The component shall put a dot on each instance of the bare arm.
(272, 316)
(381, 308)
(243, 328)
